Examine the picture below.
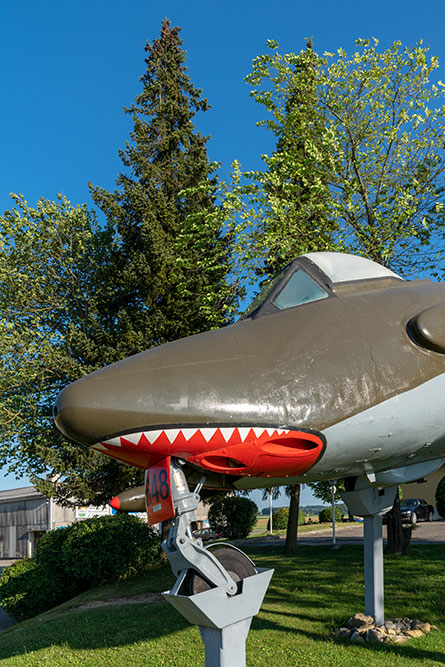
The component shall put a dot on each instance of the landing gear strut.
(218, 587)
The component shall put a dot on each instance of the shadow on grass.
(311, 594)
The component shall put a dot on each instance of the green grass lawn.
(310, 595)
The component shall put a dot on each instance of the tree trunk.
(292, 523)
(394, 527)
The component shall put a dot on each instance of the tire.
(430, 516)
(237, 564)
(413, 518)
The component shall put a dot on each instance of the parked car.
(414, 510)
(206, 534)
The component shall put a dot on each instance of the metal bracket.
(183, 551)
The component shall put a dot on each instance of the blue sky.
(67, 70)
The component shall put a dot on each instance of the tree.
(75, 295)
(394, 527)
(325, 516)
(359, 161)
(360, 158)
(173, 257)
(440, 497)
(233, 516)
(54, 329)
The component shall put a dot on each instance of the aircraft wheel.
(237, 564)
(413, 518)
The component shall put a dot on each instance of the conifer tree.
(76, 296)
(172, 259)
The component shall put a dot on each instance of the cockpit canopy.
(311, 277)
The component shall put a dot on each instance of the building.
(25, 514)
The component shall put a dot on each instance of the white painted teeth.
(132, 437)
(116, 442)
(100, 447)
(172, 434)
(188, 433)
(152, 436)
(227, 433)
(243, 432)
(208, 433)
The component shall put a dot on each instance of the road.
(425, 533)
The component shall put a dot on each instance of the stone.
(344, 633)
(390, 632)
(357, 638)
(374, 635)
(398, 639)
(418, 625)
(413, 633)
(434, 628)
(389, 625)
(359, 620)
(363, 629)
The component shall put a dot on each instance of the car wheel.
(430, 516)
(413, 517)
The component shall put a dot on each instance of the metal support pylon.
(371, 503)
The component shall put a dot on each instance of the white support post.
(374, 582)
(370, 503)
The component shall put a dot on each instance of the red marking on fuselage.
(256, 451)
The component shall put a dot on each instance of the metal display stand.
(371, 503)
(223, 621)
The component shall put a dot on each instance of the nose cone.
(208, 378)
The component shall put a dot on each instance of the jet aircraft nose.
(208, 378)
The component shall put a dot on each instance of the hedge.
(325, 515)
(71, 560)
(280, 518)
(233, 516)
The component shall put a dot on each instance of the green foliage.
(71, 560)
(325, 515)
(233, 516)
(54, 326)
(359, 160)
(280, 518)
(75, 296)
(322, 490)
(173, 258)
(440, 497)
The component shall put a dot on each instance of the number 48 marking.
(159, 487)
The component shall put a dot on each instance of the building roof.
(22, 493)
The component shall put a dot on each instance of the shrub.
(440, 497)
(280, 518)
(233, 516)
(71, 560)
(107, 549)
(325, 515)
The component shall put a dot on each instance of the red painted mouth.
(244, 451)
